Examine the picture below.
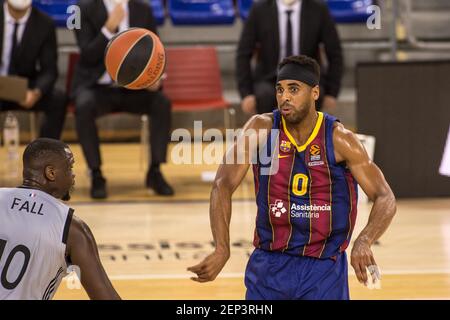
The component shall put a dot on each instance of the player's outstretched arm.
(82, 251)
(228, 177)
(348, 148)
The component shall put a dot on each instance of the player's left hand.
(210, 267)
(362, 258)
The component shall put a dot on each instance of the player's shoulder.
(79, 230)
(51, 201)
(80, 237)
(260, 121)
(32, 193)
(340, 130)
(4, 190)
(345, 140)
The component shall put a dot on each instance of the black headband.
(292, 71)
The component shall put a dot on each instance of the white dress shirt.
(295, 22)
(124, 25)
(8, 31)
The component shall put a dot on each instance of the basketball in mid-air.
(135, 58)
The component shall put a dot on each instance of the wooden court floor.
(147, 242)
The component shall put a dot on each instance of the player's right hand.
(362, 258)
(115, 18)
(210, 267)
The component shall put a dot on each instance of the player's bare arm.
(349, 149)
(82, 251)
(229, 176)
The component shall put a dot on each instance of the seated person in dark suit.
(28, 49)
(276, 29)
(96, 95)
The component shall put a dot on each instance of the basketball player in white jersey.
(39, 235)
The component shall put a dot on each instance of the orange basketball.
(135, 58)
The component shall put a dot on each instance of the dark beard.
(298, 117)
(66, 197)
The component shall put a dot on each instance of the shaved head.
(42, 152)
(47, 164)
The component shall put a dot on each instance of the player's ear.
(315, 92)
(50, 173)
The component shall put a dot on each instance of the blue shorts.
(279, 276)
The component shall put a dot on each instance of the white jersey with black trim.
(33, 234)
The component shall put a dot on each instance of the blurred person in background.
(276, 29)
(28, 49)
(95, 93)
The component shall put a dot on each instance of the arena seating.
(212, 12)
(243, 7)
(349, 11)
(57, 9)
(343, 11)
(193, 81)
(158, 10)
(201, 12)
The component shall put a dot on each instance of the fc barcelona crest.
(285, 146)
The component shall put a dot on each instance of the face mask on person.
(289, 2)
(19, 4)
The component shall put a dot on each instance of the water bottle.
(11, 143)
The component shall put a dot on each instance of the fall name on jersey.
(27, 206)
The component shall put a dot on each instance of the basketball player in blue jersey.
(39, 235)
(306, 195)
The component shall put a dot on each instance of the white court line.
(169, 276)
(241, 275)
(410, 271)
(436, 298)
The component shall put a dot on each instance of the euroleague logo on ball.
(155, 73)
(135, 58)
(161, 58)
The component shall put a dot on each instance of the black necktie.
(11, 68)
(289, 50)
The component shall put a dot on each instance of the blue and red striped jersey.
(307, 205)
